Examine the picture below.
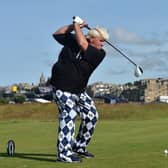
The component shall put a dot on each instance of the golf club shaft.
(117, 49)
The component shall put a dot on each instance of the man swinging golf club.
(77, 60)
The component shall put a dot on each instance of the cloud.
(124, 36)
(155, 60)
(152, 59)
(154, 64)
(133, 44)
(117, 71)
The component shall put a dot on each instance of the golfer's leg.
(67, 114)
(89, 117)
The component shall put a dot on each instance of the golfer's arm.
(81, 39)
(64, 29)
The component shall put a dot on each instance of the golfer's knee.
(93, 115)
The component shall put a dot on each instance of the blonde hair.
(98, 32)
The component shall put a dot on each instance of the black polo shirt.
(72, 70)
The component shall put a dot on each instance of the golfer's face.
(97, 42)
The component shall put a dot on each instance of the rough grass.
(132, 111)
(28, 111)
(106, 111)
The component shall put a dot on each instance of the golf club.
(138, 69)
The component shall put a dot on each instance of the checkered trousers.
(69, 106)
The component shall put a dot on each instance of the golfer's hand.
(77, 20)
(84, 24)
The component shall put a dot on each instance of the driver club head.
(138, 71)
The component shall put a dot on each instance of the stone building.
(99, 89)
(155, 88)
(42, 80)
(147, 90)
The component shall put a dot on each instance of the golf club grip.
(89, 28)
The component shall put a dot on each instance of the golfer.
(77, 60)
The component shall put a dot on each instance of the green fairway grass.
(116, 144)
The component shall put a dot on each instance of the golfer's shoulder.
(93, 50)
(65, 39)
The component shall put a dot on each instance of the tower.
(42, 80)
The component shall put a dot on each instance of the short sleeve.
(93, 55)
(65, 39)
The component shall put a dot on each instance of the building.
(99, 89)
(147, 90)
(155, 88)
(42, 80)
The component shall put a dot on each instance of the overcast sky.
(138, 28)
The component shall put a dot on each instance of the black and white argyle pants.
(69, 106)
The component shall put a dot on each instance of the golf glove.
(77, 19)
